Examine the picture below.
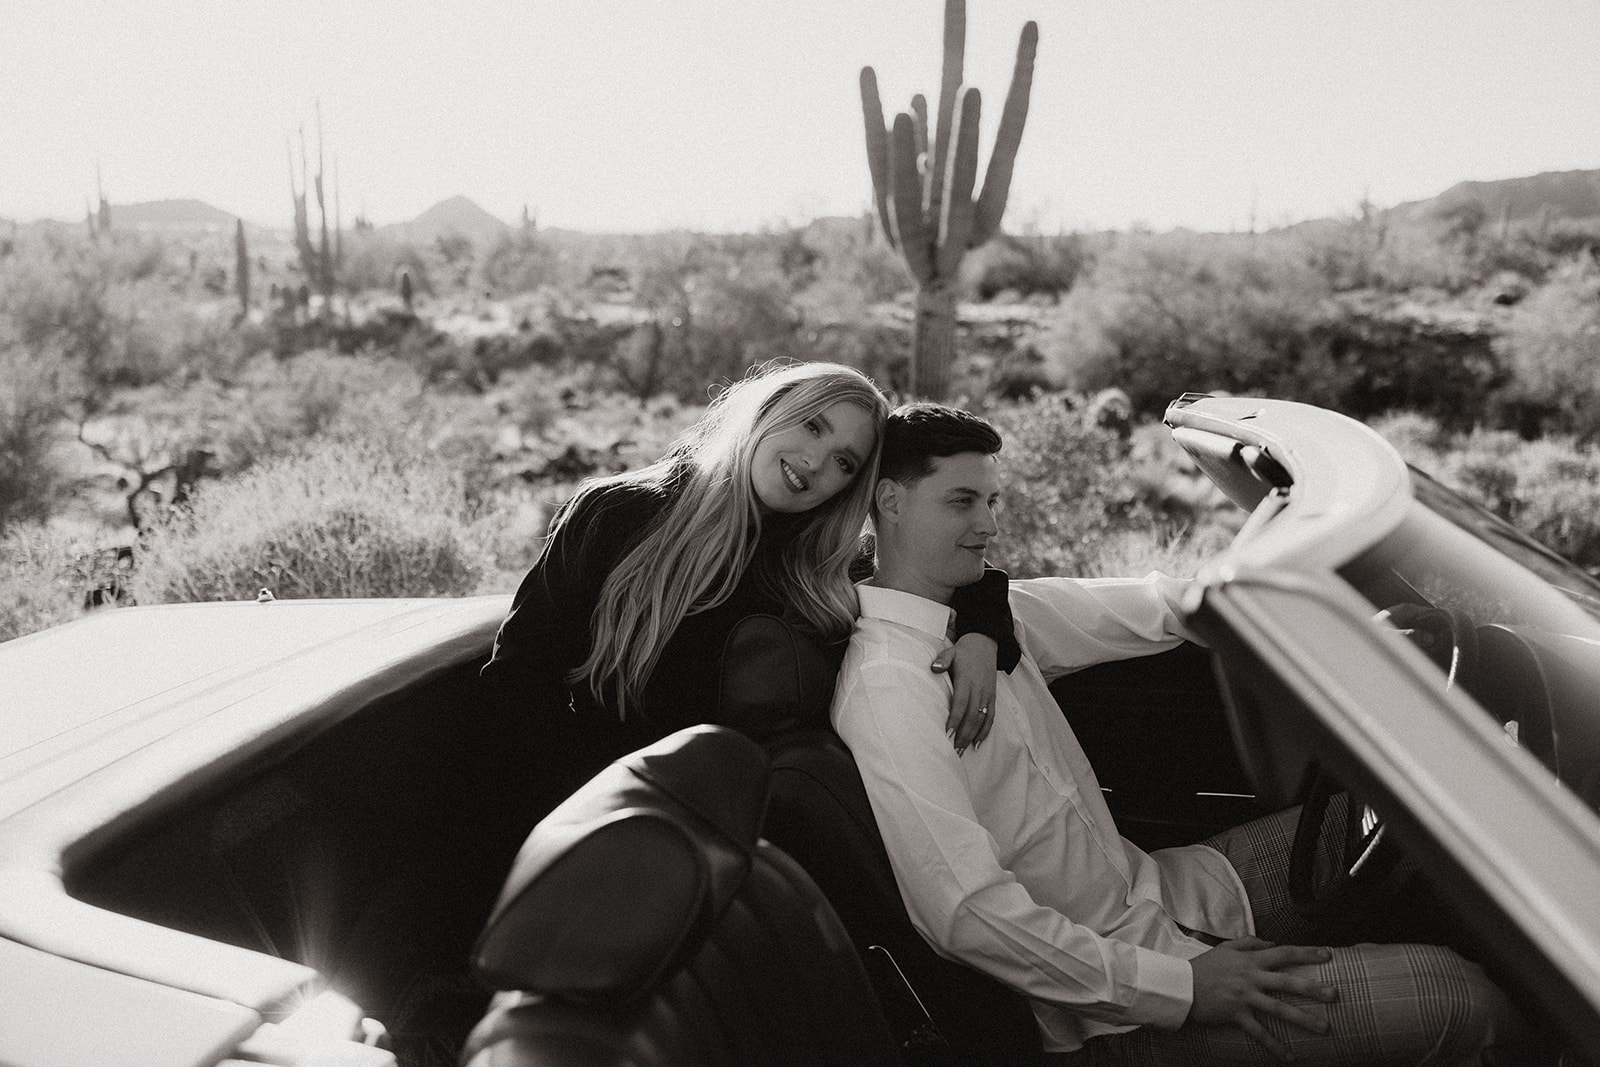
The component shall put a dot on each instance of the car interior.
(375, 852)
(710, 899)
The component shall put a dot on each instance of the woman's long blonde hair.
(698, 548)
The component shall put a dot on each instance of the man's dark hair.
(918, 434)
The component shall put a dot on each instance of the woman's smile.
(796, 481)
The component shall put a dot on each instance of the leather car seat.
(645, 922)
(777, 686)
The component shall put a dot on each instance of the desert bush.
(1385, 355)
(519, 263)
(105, 308)
(1551, 345)
(278, 406)
(1070, 490)
(1161, 316)
(1549, 488)
(1157, 317)
(373, 261)
(1136, 551)
(49, 576)
(1567, 238)
(341, 520)
(33, 477)
(714, 309)
(1031, 264)
(1418, 438)
(34, 593)
(853, 272)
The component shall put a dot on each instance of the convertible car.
(288, 832)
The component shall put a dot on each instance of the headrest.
(613, 890)
(774, 679)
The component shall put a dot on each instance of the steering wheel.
(1364, 866)
(1516, 691)
(1447, 637)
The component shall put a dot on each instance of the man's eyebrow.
(968, 491)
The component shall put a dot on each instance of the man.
(1008, 858)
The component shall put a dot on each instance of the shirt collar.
(907, 609)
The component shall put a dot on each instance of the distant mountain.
(457, 215)
(1553, 196)
(169, 214)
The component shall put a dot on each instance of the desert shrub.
(1418, 438)
(1136, 551)
(108, 309)
(1161, 316)
(36, 585)
(51, 574)
(342, 520)
(1549, 488)
(519, 263)
(277, 405)
(218, 345)
(373, 261)
(33, 476)
(1385, 355)
(1031, 264)
(1069, 488)
(853, 272)
(1158, 317)
(1551, 346)
(711, 316)
(1567, 238)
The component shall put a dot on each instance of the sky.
(738, 115)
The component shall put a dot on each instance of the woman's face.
(798, 468)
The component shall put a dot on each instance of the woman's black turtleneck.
(547, 632)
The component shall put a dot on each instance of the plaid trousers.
(1399, 1004)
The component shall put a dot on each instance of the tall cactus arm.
(905, 200)
(961, 170)
(877, 148)
(997, 179)
(950, 78)
(919, 126)
(951, 74)
(919, 113)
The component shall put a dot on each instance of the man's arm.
(1067, 624)
(959, 895)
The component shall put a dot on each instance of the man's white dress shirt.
(1007, 856)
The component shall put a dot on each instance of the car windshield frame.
(1512, 623)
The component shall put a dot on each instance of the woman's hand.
(971, 662)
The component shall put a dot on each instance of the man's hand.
(973, 665)
(1235, 983)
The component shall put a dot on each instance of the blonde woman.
(614, 637)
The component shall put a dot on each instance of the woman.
(614, 637)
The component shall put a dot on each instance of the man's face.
(944, 523)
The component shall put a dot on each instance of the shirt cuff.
(1164, 990)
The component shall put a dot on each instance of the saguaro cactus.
(923, 189)
(317, 261)
(241, 268)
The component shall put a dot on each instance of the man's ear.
(886, 498)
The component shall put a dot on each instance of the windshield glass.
(1505, 619)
